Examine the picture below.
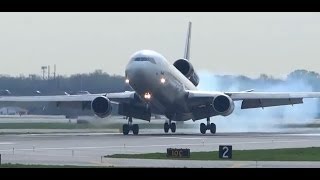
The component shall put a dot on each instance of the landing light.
(147, 95)
(162, 80)
(127, 81)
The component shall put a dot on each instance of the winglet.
(187, 48)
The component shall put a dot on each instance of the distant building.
(13, 111)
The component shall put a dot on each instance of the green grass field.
(288, 154)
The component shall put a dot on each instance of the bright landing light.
(127, 81)
(162, 80)
(147, 95)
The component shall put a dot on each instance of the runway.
(88, 148)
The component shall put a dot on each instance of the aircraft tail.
(187, 48)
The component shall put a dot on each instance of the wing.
(267, 99)
(129, 103)
(74, 101)
(253, 99)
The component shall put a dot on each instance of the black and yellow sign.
(178, 153)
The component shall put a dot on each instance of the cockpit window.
(145, 59)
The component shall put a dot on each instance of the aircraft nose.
(136, 74)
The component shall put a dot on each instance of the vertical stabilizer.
(187, 48)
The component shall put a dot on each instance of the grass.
(9, 165)
(287, 154)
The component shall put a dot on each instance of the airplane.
(162, 88)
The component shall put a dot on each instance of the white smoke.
(260, 120)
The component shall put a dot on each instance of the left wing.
(253, 99)
(267, 99)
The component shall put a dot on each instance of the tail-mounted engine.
(186, 68)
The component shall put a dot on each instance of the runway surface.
(88, 148)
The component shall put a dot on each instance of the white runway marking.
(302, 134)
(67, 134)
(6, 143)
(191, 138)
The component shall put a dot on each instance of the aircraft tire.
(135, 129)
(203, 128)
(213, 128)
(125, 129)
(166, 127)
(173, 127)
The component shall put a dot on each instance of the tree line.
(95, 82)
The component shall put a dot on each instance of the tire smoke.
(269, 119)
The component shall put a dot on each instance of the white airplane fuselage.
(159, 84)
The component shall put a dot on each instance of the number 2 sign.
(225, 152)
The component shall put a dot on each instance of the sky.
(245, 43)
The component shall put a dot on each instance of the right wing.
(74, 101)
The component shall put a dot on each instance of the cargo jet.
(162, 88)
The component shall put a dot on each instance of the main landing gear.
(126, 128)
(168, 126)
(211, 127)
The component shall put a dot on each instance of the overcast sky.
(222, 43)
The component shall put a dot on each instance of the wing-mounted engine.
(186, 68)
(206, 104)
(223, 105)
(101, 106)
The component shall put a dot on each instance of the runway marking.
(6, 143)
(191, 138)
(309, 134)
(143, 135)
(236, 165)
(66, 134)
(51, 155)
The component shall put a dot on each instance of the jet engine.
(101, 106)
(223, 105)
(186, 68)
